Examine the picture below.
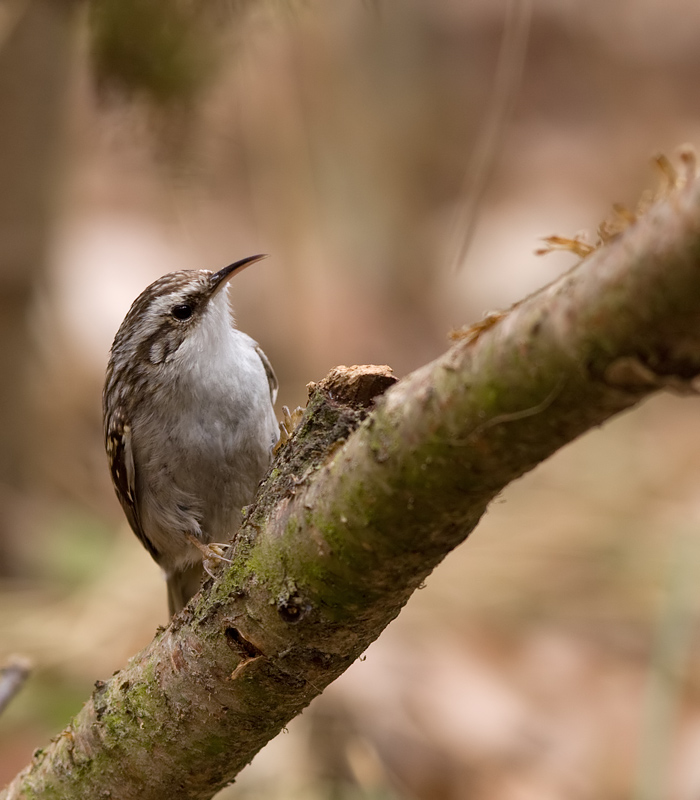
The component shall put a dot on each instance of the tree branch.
(363, 503)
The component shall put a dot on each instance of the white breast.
(205, 439)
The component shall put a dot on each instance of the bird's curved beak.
(219, 279)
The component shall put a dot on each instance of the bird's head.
(178, 307)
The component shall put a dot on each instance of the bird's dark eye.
(182, 311)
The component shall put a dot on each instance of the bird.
(189, 422)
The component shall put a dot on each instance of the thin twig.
(12, 678)
(509, 69)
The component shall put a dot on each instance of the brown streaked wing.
(121, 464)
(271, 377)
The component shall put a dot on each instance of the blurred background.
(400, 161)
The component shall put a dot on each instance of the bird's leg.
(212, 554)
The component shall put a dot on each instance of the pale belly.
(200, 478)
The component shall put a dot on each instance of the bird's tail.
(182, 585)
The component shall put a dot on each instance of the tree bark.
(370, 494)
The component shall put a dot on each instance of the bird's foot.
(212, 554)
(290, 422)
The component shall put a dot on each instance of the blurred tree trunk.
(34, 61)
(363, 503)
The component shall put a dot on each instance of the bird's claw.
(290, 422)
(212, 554)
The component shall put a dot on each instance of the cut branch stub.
(355, 386)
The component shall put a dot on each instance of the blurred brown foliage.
(338, 137)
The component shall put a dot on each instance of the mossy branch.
(370, 494)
